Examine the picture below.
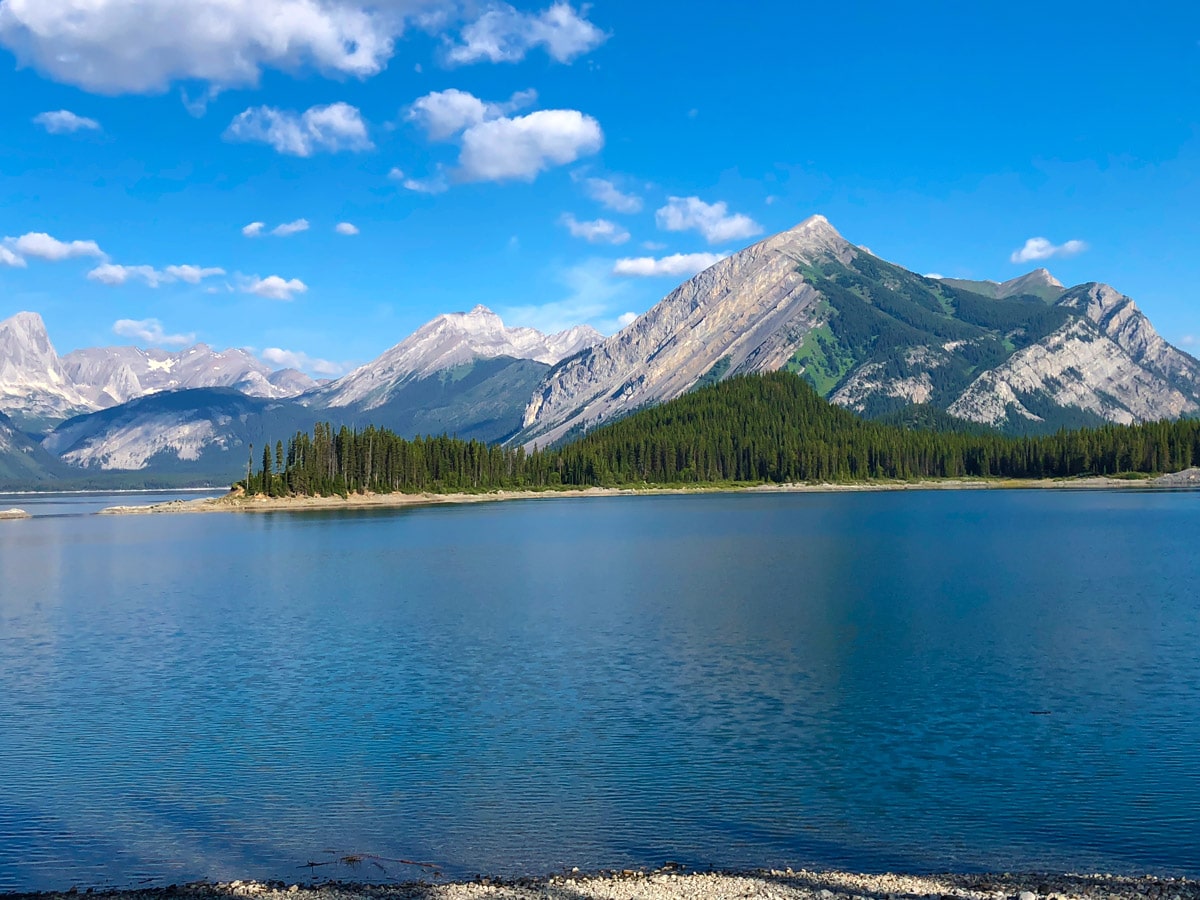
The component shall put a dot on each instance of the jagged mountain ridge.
(449, 340)
(875, 337)
(35, 389)
(39, 389)
(1038, 283)
(462, 373)
(109, 376)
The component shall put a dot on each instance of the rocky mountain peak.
(34, 388)
(443, 343)
(742, 314)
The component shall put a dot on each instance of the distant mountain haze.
(39, 389)
(463, 373)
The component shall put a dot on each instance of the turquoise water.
(917, 681)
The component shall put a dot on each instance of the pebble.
(671, 884)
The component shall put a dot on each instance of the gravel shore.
(669, 884)
(236, 502)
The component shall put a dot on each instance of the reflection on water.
(890, 681)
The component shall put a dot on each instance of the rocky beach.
(236, 501)
(673, 884)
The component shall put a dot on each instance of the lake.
(919, 681)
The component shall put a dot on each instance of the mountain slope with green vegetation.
(1025, 356)
(771, 428)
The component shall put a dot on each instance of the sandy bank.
(670, 885)
(236, 502)
(13, 514)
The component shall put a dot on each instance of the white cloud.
(522, 147)
(42, 246)
(295, 359)
(1188, 340)
(8, 258)
(711, 219)
(346, 228)
(444, 114)
(113, 274)
(142, 46)
(605, 192)
(600, 231)
(678, 264)
(627, 319)
(332, 128)
(254, 229)
(1037, 248)
(273, 287)
(504, 34)
(654, 245)
(150, 331)
(938, 276)
(193, 274)
(287, 229)
(434, 184)
(65, 122)
(497, 147)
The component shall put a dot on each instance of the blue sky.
(567, 163)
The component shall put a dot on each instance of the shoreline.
(236, 502)
(671, 883)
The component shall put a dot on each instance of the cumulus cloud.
(606, 193)
(445, 113)
(40, 245)
(119, 46)
(287, 229)
(346, 228)
(1037, 248)
(150, 331)
(295, 359)
(712, 220)
(254, 229)
(332, 128)
(627, 319)
(522, 147)
(599, 231)
(114, 275)
(504, 34)
(273, 287)
(65, 122)
(495, 146)
(434, 184)
(8, 258)
(677, 264)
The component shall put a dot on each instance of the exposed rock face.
(1109, 361)
(114, 375)
(751, 309)
(193, 430)
(874, 337)
(454, 339)
(34, 387)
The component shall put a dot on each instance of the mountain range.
(1023, 355)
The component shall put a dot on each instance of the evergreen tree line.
(753, 428)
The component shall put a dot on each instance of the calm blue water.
(742, 680)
